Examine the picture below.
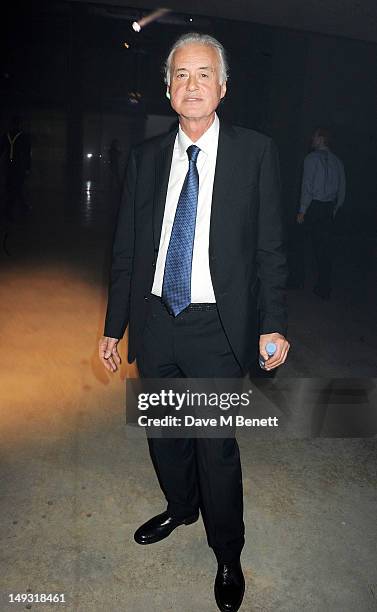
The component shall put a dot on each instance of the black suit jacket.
(246, 246)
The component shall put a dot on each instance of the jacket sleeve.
(271, 256)
(117, 314)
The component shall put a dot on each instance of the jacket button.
(146, 298)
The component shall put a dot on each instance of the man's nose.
(192, 83)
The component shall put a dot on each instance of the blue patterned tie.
(176, 287)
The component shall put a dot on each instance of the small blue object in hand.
(270, 349)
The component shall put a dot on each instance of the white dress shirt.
(323, 179)
(201, 282)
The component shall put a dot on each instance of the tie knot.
(193, 152)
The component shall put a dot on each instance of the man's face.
(195, 90)
(317, 141)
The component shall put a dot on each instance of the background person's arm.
(342, 188)
(307, 186)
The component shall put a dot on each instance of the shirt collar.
(206, 143)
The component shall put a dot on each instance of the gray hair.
(203, 39)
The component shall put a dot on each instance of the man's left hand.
(280, 355)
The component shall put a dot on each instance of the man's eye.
(204, 74)
(181, 75)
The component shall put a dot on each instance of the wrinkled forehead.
(195, 55)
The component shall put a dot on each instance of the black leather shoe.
(160, 527)
(229, 586)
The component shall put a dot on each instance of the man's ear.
(223, 89)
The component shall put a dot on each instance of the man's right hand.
(300, 218)
(108, 353)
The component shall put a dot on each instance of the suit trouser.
(319, 223)
(317, 229)
(200, 473)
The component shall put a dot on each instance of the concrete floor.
(74, 486)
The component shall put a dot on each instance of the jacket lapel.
(162, 171)
(226, 164)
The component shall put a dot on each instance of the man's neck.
(195, 128)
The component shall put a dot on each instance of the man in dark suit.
(198, 274)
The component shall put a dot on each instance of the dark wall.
(67, 64)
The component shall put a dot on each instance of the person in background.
(16, 147)
(322, 194)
